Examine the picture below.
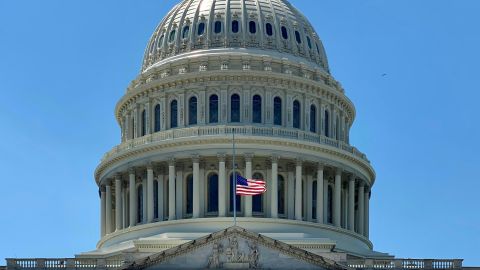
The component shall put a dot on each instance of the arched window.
(281, 195)
(252, 26)
(235, 26)
(144, 123)
(157, 118)
(140, 204)
(277, 111)
(309, 42)
(189, 195)
(313, 118)
(314, 199)
(213, 109)
(257, 109)
(330, 204)
(296, 114)
(212, 203)
(186, 32)
(172, 36)
(232, 192)
(173, 114)
(327, 124)
(235, 108)
(257, 200)
(160, 42)
(201, 29)
(192, 111)
(155, 199)
(318, 49)
(269, 29)
(297, 37)
(218, 27)
(284, 32)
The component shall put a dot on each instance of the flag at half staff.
(250, 187)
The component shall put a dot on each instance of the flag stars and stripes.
(250, 187)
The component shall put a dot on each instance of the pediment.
(234, 248)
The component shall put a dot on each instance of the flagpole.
(234, 182)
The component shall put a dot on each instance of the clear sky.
(410, 67)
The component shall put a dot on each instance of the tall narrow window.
(140, 204)
(309, 42)
(296, 114)
(314, 200)
(132, 129)
(257, 109)
(277, 111)
(235, 26)
(269, 29)
(337, 133)
(212, 205)
(144, 123)
(281, 195)
(232, 192)
(189, 195)
(327, 124)
(297, 37)
(160, 42)
(213, 109)
(257, 200)
(330, 205)
(218, 27)
(155, 199)
(172, 36)
(284, 32)
(235, 108)
(157, 118)
(173, 114)
(252, 26)
(313, 118)
(201, 29)
(186, 32)
(192, 111)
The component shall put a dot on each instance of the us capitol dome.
(256, 69)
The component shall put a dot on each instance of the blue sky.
(65, 64)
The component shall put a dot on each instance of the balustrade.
(62, 263)
(228, 130)
(405, 264)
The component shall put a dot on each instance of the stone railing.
(406, 264)
(63, 263)
(240, 131)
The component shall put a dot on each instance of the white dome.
(271, 25)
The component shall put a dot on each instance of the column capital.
(171, 161)
(320, 166)
(298, 161)
(102, 189)
(352, 177)
(221, 157)
(118, 176)
(195, 158)
(275, 158)
(108, 182)
(131, 170)
(338, 171)
(150, 165)
(248, 157)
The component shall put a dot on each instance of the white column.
(274, 188)
(196, 187)
(179, 190)
(351, 203)
(171, 190)
(102, 211)
(133, 198)
(222, 196)
(298, 191)
(144, 208)
(248, 175)
(361, 209)
(150, 199)
(291, 192)
(337, 196)
(108, 208)
(308, 197)
(366, 230)
(118, 202)
(320, 193)
(161, 193)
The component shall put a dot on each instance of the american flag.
(250, 187)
